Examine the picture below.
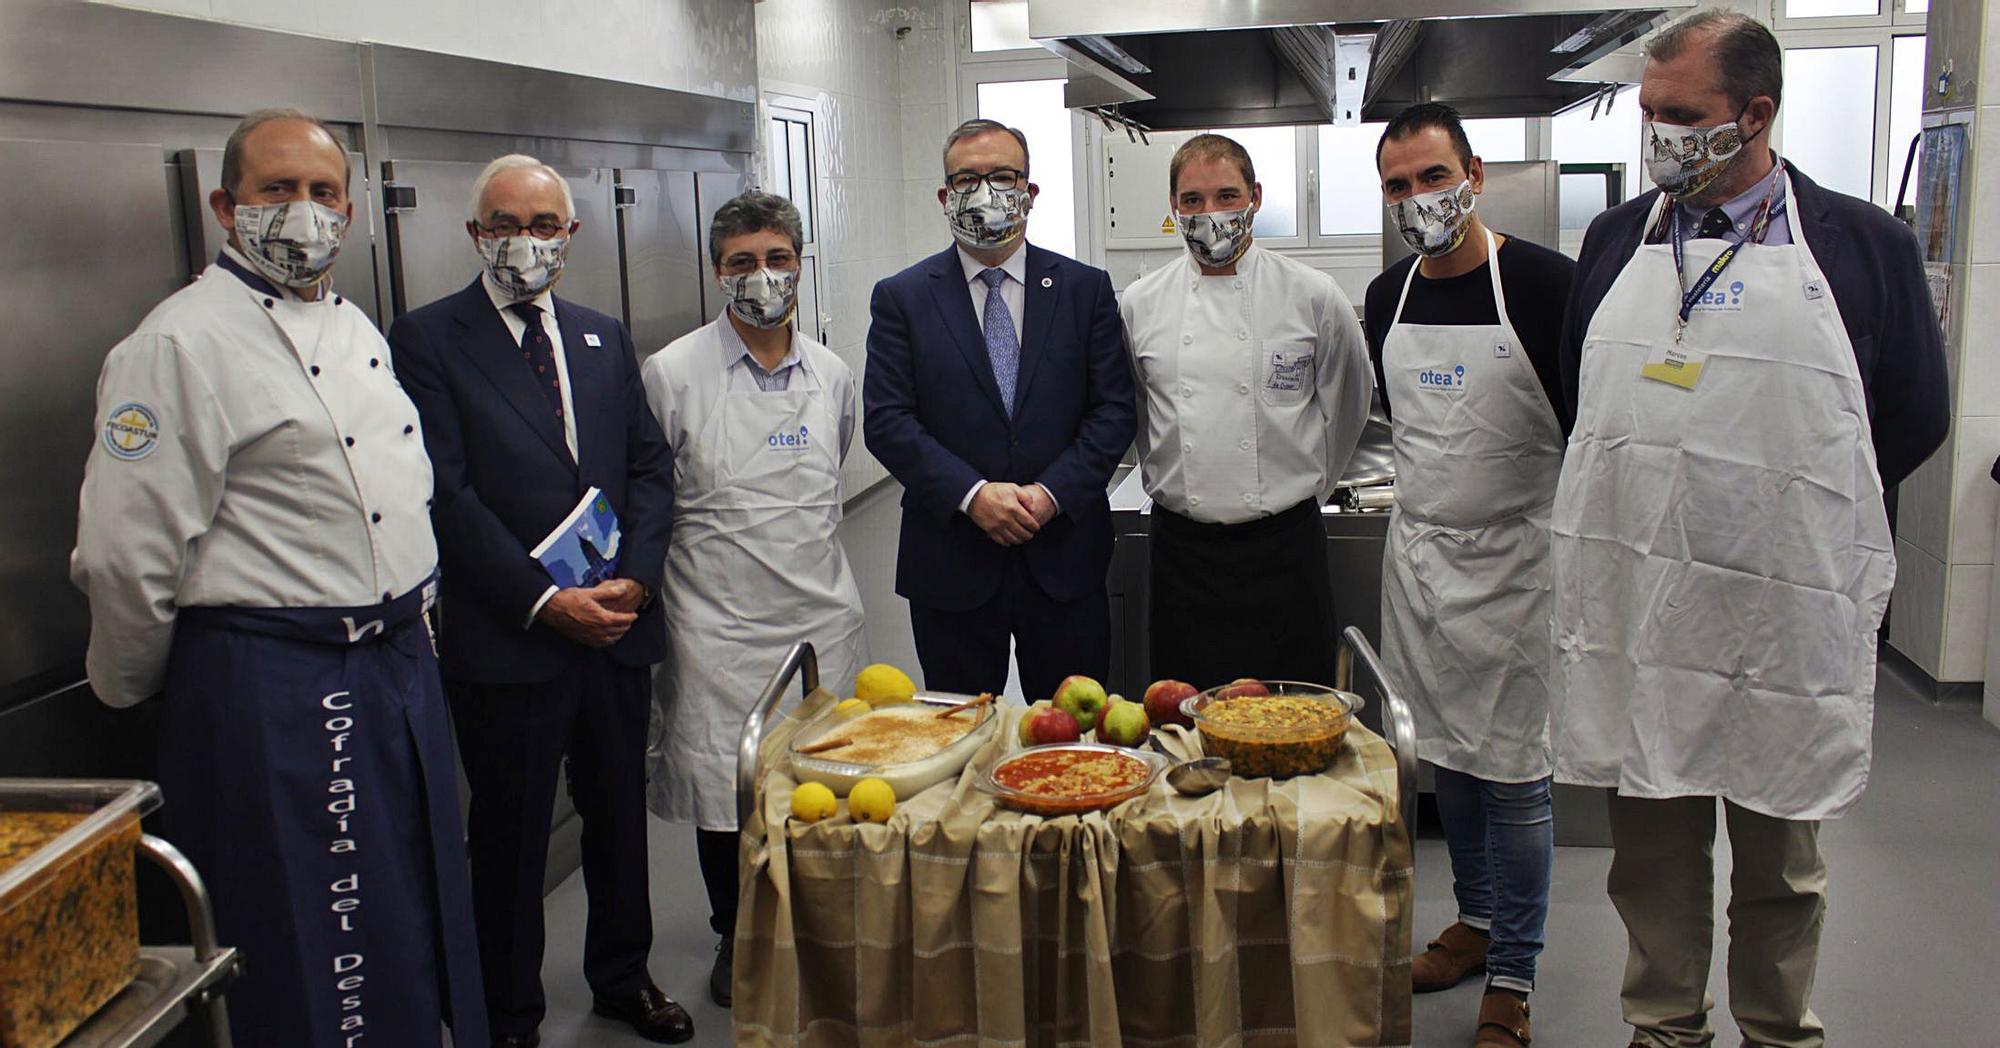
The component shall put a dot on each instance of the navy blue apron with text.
(306, 760)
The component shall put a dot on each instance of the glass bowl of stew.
(1294, 728)
(1071, 778)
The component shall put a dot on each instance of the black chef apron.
(306, 762)
(1241, 600)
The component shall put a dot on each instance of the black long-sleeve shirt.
(1536, 282)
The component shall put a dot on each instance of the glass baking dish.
(908, 778)
(1074, 804)
(1284, 747)
(69, 922)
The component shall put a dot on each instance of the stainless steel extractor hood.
(1186, 64)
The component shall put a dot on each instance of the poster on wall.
(1939, 191)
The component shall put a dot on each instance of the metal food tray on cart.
(174, 981)
(1399, 724)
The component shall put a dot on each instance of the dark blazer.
(933, 417)
(1876, 275)
(505, 478)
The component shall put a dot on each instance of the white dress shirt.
(251, 450)
(1014, 292)
(1253, 388)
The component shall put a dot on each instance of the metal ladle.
(1193, 778)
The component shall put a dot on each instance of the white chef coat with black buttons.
(251, 449)
(1254, 387)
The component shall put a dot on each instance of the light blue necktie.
(1003, 347)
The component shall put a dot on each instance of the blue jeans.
(1502, 841)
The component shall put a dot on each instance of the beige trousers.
(1662, 882)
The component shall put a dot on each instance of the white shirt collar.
(546, 299)
(735, 352)
(1016, 265)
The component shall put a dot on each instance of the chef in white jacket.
(1254, 385)
(254, 538)
(760, 418)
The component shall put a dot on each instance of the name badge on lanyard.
(1674, 364)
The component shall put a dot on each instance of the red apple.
(1163, 702)
(1081, 697)
(1027, 720)
(1047, 724)
(1123, 724)
(1241, 687)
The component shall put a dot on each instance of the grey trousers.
(1662, 882)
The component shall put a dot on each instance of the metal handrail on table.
(1398, 723)
(196, 982)
(748, 765)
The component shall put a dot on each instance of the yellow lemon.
(812, 802)
(883, 684)
(851, 708)
(871, 800)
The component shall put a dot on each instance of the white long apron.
(1720, 555)
(1465, 606)
(755, 565)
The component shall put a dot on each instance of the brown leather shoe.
(653, 1014)
(1458, 951)
(1503, 1022)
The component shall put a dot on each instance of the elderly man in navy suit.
(529, 401)
(998, 394)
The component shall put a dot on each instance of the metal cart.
(174, 981)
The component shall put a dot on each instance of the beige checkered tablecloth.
(1271, 913)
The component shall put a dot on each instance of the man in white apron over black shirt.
(759, 418)
(1465, 334)
(255, 539)
(1752, 359)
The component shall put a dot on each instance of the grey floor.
(1915, 892)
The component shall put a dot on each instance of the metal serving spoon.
(1193, 778)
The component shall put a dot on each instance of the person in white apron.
(760, 418)
(1464, 583)
(1720, 557)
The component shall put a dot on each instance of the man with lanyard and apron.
(760, 418)
(1752, 359)
(255, 541)
(1469, 387)
(1253, 378)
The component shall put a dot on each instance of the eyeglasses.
(540, 229)
(745, 262)
(999, 179)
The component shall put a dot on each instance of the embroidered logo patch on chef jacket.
(1288, 372)
(131, 431)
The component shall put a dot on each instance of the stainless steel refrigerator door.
(666, 260)
(430, 254)
(100, 221)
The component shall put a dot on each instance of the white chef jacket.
(1254, 387)
(250, 449)
(684, 374)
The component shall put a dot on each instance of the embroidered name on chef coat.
(1288, 372)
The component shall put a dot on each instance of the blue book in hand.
(583, 549)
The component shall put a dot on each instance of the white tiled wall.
(704, 46)
(848, 62)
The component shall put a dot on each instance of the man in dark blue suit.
(997, 392)
(528, 402)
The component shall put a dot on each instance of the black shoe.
(653, 1014)
(532, 1040)
(725, 966)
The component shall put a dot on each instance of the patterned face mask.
(1217, 238)
(1434, 224)
(1683, 161)
(763, 299)
(984, 217)
(521, 266)
(293, 243)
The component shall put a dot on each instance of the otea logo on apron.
(787, 440)
(1720, 300)
(1437, 380)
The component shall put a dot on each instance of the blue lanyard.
(1759, 227)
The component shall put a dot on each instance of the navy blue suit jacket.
(1876, 276)
(505, 478)
(933, 416)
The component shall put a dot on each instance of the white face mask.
(763, 299)
(1434, 224)
(984, 217)
(1683, 161)
(1217, 238)
(293, 243)
(522, 266)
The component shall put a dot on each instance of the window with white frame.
(1035, 108)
